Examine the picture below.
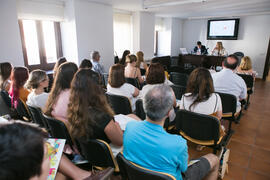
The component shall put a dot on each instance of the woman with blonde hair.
(140, 61)
(37, 82)
(219, 50)
(245, 67)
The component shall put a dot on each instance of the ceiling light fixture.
(157, 3)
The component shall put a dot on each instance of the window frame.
(41, 46)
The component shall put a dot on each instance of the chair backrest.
(98, 153)
(5, 108)
(119, 104)
(139, 109)
(58, 129)
(228, 102)
(179, 78)
(134, 82)
(178, 91)
(105, 78)
(198, 126)
(143, 71)
(132, 171)
(239, 55)
(248, 79)
(37, 117)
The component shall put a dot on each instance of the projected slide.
(222, 28)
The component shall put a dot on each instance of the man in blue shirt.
(97, 67)
(147, 144)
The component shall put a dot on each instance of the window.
(122, 29)
(41, 42)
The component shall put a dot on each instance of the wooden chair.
(201, 129)
(98, 153)
(249, 80)
(132, 171)
(179, 78)
(119, 104)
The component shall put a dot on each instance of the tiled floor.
(250, 144)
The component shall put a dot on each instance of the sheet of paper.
(123, 120)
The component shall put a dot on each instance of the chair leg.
(247, 104)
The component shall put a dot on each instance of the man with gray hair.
(147, 144)
(97, 67)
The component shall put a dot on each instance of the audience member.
(226, 81)
(140, 61)
(123, 59)
(95, 59)
(155, 74)
(245, 67)
(89, 114)
(147, 144)
(219, 50)
(19, 76)
(206, 63)
(131, 71)
(200, 96)
(117, 84)
(200, 49)
(60, 61)
(86, 63)
(37, 82)
(5, 72)
(59, 96)
(25, 155)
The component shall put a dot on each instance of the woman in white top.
(38, 80)
(131, 71)
(200, 96)
(118, 86)
(155, 74)
(219, 50)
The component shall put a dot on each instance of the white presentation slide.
(222, 28)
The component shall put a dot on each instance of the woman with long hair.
(131, 71)
(17, 91)
(89, 114)
(219, 50)
(245, 67)
(200, 95)
(5, 72)
(117, 84)
(123, 59)
(59, 96)
(140, 61)
(37, 82)
(60, 61)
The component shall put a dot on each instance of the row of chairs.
(97, 152)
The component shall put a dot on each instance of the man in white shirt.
(226, 81)
(97, 67)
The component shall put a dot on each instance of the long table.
(197, 59)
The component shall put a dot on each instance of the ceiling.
(194, 8)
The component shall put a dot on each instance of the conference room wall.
(252, 40)
(94, 29)
(10, 41)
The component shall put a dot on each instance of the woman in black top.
(89, 114)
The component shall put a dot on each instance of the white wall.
(253, 37)
(176, 36)
(143, 33)
(94, 28)
(170, 36)
(10, 41)
(68, 33)
(147, 32)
